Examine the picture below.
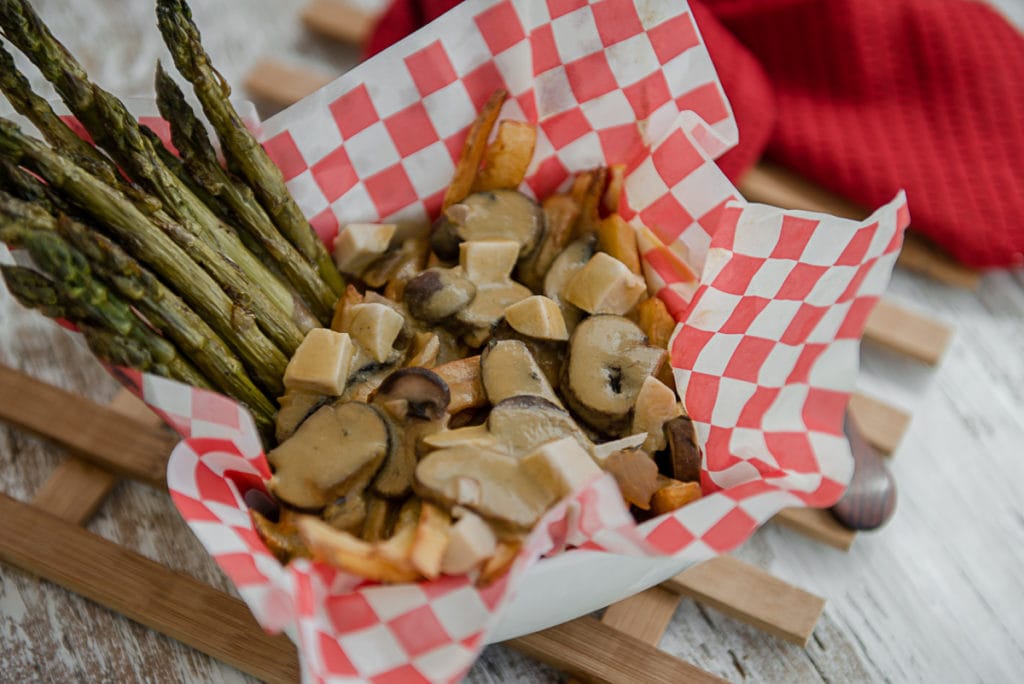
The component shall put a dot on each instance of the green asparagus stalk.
(80, 298)
(37, 110)
(182, 38)
(161, 307)
(114, 129)
(174, 254)
(189, 136)
(118, 350)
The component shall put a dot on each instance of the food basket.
(770, 308)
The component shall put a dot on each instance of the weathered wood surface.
(935, 596)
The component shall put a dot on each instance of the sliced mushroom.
(521, 424)
(438, 293)
(507, 494)
(636, 474)
(563, 466)
(416, 400)
(605, 449)
(346, 513)
(549, 354)
(538, 317)
(561, 212)
(491, 215)
(655, 405)
(685, 460)
(609, 361)
(473, 436)
(605, 286)
(508, 370)
(566, 264)
(295, 407)
(329, 453)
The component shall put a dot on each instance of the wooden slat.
(113, 441)
(339, 20)
(594, 652)
(818, 524)
(143, 590)
(645, 615)
(76, 489)
(908, 332)
(771, 184)
(881, 424)
(281, 84)
(750, 594)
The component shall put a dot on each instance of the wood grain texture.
(645, 615)
(344, 21)
(594, 652)
(752, 595)
(908, 332)
(949, 560)
(142, 590)
(110, 439)
(882, 425)
(280, 84)
(818, 524)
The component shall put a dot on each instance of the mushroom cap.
(489, 215)
(508, 369)
(609, 360)
(507, 493)
(523, 423)
(425, 393)
(437, 293)
(684, 455)
(333, 449)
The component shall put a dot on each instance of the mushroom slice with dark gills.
(490, 215)
(523, 423)
(487, 481)
(438, 293)
(415, 401)
(508, 369)
(329, 453)
(609, 360)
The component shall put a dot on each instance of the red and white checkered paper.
(765, 356)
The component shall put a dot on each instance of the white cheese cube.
(375, 328)
(488, 261)
(605, 285)
(321, 363)
(470, 542)
(359, 244)
(561, 466)
(538, 317)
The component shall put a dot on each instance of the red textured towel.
(865, 97)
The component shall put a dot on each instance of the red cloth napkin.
(865, 97)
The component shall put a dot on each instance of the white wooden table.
(936, 596)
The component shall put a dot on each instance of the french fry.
(378, 512)
(587, 191)
(674, 494)
(351, 297)
(656, 322)
(430, 541)
(616, 177)
(423, 350)
(464, 383)
(561, 212)
(498, 564)
(474, 149)
(381, 562)
(281, 537)
(507, 158)
(618, 239)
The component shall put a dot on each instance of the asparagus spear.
(73, 294)
(182, 37)
(114, 129)
(161, 307)
(174, 254)
(37, 110)
(177, 167)
(200, 158)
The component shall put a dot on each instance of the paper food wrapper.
(765, 355)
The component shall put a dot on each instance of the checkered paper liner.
(765, 355)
